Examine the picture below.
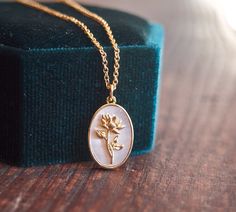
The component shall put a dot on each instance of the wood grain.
(193, 167)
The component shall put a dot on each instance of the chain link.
(86, 30)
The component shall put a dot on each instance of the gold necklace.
(110, 134)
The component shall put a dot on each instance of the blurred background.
(155, 9)
(193, 165)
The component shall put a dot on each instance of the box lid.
(27, 28)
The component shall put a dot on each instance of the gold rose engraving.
(112, 125)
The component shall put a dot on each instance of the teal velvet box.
(51, 82)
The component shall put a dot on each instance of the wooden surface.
(193, 167)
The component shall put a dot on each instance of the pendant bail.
(111, 98)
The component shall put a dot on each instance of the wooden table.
(193, 167)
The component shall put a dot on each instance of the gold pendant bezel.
(131, 141)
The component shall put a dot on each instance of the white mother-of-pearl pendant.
(110, 136)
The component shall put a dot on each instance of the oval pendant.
(110, 136)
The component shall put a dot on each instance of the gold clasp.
(111, 98)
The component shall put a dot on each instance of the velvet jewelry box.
(51, 82)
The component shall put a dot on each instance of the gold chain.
(72, 3)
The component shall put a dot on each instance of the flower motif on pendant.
(111, 128)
